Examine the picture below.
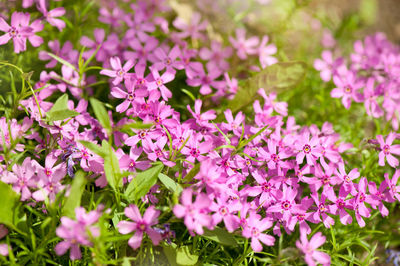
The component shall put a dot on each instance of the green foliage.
(277, 77)
(74, 199)
(142, 183)
(60, 110)
(10, 200)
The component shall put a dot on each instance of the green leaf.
(62, 61)
(135, 125)
(111, 166)
(221, 236)
(142, 183)
(9, 202)
(169, 183)
(94, 148)
(247, 141)
(170, 253)
(74, 199)
(101, 114)
(273, 78)
(184, 257)
(192, 173)
(60, 110)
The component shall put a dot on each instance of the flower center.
(130, 97)
(275, 158)
(194, 152)
(340, 203)
(386, 149)
(255, 232)
(286, 205)
(362, 197)
(321, 207)
(223, 211)
(142, 226)
(325, 179)
(159, 82)
(307, 148)
(47, 172)
(348, 89)
(13, 32)
(120, 73)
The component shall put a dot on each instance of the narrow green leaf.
(247, 141)
(192, 173)
(169, 183)
(9, 202)
(94, 148)
(222, 133)
(101, 114)
(142, 183)
(273, 78)
(62, 61)
(221, 236)
(111, 166)
(74, 199)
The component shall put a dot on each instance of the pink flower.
(75, 233)
(159, 82)
(394, 189)
(193, 29)
(244, 47)
(140, 225)
(347, 86)
(307, 148)
(18, 31)
(195, 213)
(387, 149)
(52, 14)
(309, 249)
(118, 72)
(265, 53)
(254, 229)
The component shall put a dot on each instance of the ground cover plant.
(156, 132)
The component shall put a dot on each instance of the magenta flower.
(225, 210)
(51, 16)
(140, 225)
(340, 203)
(347, 86)
(394, 189)
(195, 213)
(265, 52)
(22, 177)
(66, 52)
(168, 61)
(309, 249)
(131, 96)
(159, 82)
(193, 29)
(207, 81)
(118, 72)
(387, 149)
(99, 35)
(244, 47)
(306, 147)
(254, 229)
(130, 162)
(17, 32)
(75, 233)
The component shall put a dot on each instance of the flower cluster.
(254, 172)
(368, 76)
